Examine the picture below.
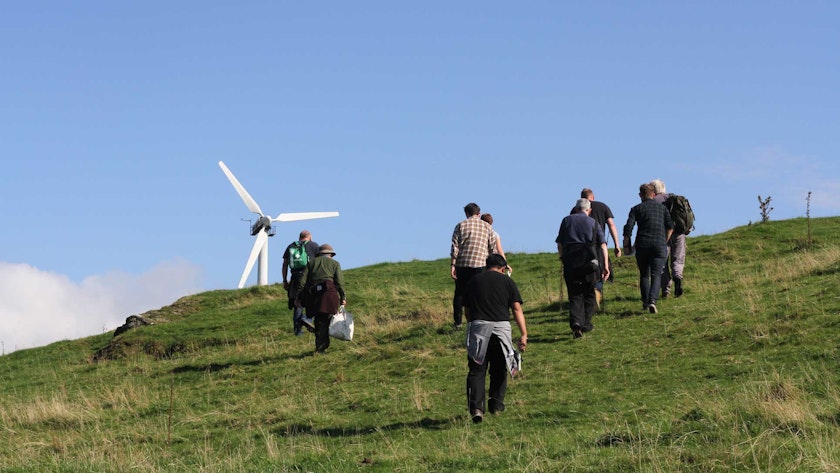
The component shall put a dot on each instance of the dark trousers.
(463, 276)
(651, 262)
(298, 313)
(582, 303)
(322, 332)
(495, 363)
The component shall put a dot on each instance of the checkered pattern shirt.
(472, 242)
(654, 222)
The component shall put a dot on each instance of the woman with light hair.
(499, 250)
(658, 187)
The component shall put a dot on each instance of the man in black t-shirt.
(489, 299)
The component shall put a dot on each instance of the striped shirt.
(654, 222)
(472, 242)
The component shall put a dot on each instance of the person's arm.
(519, 317)
(285, 270)
(605, 270)
(501, 252)
(614, 233)
(628, 231)
(339, 283)
(559, 250)
(453, 253)
(499, 248)
(669, 225)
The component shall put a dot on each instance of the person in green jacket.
(321, 290)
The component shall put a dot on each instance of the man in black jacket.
(655, 228)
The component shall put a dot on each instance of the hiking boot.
(309, 323)
(477, 416)
(652, 308)
(577, 332)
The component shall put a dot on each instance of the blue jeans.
(650, 261)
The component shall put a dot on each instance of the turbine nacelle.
(263, 223)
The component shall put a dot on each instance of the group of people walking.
(659, 249)
(315, 285)
(487, 298)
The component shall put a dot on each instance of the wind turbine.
(262, 229)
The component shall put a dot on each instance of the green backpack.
(298, 258)
(681, 214)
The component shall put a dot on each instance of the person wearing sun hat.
(322, 288)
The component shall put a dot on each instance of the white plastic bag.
(341, 325)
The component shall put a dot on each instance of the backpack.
(681, 214)
(298, 258)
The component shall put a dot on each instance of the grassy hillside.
(739, 374)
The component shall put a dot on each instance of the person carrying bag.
(322, 286)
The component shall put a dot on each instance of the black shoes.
(495, 406)
(477, 416)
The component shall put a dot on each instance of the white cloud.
(39, 307)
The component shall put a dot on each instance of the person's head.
(646, 191)
(658, 186)
(472, 209)
(305, 235)
(326, 250)
(487, 218)
(583, 205)
(495, 262)
(587, 193)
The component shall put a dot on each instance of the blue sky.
(395, 114)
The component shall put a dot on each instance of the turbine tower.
(262, 229)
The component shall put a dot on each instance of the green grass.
(740, 374)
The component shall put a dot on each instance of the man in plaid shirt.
(655, 228)
(472, 242)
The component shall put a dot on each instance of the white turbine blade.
(291, 217)
(259, 243)
(246, 197)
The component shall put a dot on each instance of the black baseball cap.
(495, 261)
